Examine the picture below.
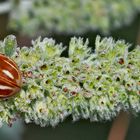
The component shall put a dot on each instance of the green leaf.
(10, 45)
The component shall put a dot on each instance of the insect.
(10, 77)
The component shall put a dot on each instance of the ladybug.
(10, 77)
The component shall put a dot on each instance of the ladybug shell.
(10, 77)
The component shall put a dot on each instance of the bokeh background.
(61, 20)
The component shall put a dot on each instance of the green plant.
(73, 16)
(95, 85)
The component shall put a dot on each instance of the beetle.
(10, 77)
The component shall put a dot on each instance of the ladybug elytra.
(10, 77)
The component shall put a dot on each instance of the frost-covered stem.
(87, 84)
(37, 16)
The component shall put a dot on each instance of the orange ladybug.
(10, 77)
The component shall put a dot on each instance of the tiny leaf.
(10, 45)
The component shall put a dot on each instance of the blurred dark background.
(83, 129)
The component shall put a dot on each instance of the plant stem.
(120, 127)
